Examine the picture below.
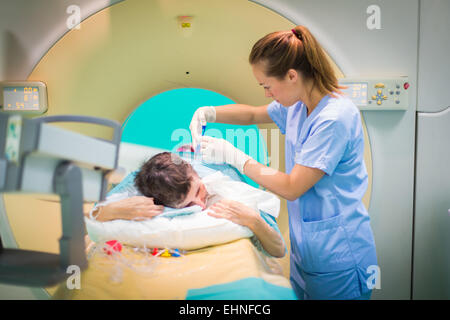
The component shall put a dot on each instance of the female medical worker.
(332, 245)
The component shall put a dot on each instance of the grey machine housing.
(38, 157)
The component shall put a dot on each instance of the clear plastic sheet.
(144, 260)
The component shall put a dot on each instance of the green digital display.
(20, 98)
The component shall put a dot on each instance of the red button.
(406, 85)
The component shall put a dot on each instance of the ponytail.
(296, 49)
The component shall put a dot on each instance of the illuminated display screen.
(357, 91)
(21, 98)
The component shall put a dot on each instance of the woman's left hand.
(235, 212)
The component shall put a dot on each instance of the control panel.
(377, 93)
(24, 97)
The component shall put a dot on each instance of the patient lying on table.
(169, 181)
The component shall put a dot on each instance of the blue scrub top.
(332, 245)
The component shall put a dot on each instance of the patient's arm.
(248, 217)
(133, 208)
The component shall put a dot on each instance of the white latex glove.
(215, 150)
(201, 116)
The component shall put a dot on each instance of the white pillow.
(186, 232)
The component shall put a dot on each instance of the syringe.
(197, 149)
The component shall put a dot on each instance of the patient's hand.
(134, 208)
(248, 217)
(234, 211)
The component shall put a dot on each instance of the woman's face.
(197, 194)
(285, 91)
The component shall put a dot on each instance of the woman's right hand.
(134, 208)
(201, 116)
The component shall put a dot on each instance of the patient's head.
(171, 182)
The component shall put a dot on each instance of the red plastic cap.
(406, 85)
(115, 246)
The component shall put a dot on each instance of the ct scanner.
(125, 52)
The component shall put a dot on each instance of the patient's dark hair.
(166, 178)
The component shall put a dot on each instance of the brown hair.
(295, 49)
(166, 178)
